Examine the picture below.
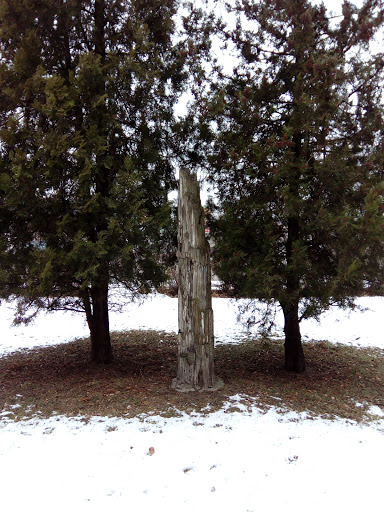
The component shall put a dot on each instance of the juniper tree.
(87, 96)
(297, 160)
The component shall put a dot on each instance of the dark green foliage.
(86, 109)
(298, 160)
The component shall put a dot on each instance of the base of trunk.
(96, 308)
(294, 354)
(103, 356)
(101, 348)
(294, 359)
(187, 388)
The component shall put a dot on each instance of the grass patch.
(340, 381)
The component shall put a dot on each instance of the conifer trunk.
(101, 349)
(98, 322)
(195, 370)
(294, 354)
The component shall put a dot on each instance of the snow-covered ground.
(227, 461)
(159, 312)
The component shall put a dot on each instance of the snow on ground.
(228, 461)
(250, 461)
(160, 312)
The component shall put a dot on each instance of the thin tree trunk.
(195, 370)
(97, 315)
(294, 354)
(99, 34)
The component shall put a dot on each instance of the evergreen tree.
(297, 160)
(86, 108)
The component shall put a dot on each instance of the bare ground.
(340, 380)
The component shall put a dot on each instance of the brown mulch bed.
(340, 380)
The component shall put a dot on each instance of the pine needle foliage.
(86, 111)
(297, 159)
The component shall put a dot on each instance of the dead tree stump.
(195, 370)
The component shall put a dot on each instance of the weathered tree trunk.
(294, 354)
(195, 369)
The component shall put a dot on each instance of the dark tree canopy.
(86, 109)
(297, 160)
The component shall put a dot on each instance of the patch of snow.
(241, 458)
(159, 312)
(375, 410)
(237, 461)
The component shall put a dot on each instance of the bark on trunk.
(195, 370)
(294, 354)
(98, 323)
(97, 308)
